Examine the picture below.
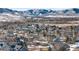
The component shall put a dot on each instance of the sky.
(56, 4)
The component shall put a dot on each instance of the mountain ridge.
(42, 12)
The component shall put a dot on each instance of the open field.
(35, 34)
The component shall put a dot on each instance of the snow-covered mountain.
(9, 14)
(41, 12)
(51, 12)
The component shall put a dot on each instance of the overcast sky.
(56, 4)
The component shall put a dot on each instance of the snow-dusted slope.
(9, 17)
